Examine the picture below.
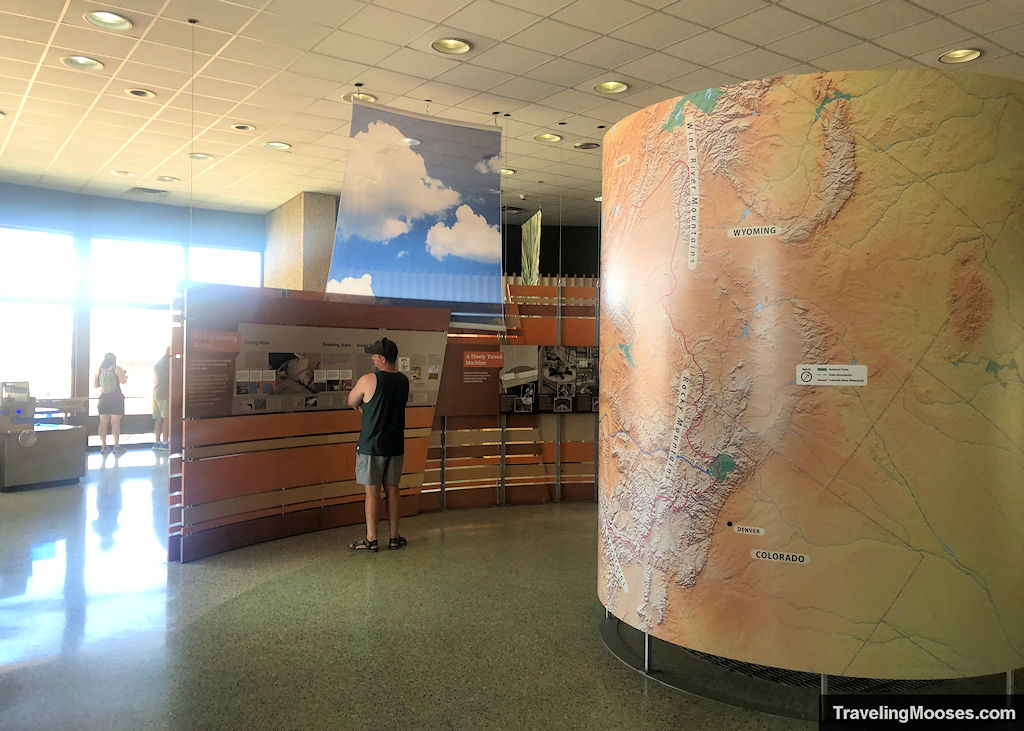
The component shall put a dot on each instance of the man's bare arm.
(358, 393)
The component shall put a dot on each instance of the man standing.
(161, 394)
(380, 397)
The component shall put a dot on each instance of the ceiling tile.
(1011, 38)
(300, 84)
(473, 77)
(279, 99)
(990, 15)
(326, 67)
(417, 63)
(533, 115)
(564, 72)
(23, 28)
(571, 100)
(61, 76)
(1008, 65)
(19, 69)
(491, 19)
(600, 16)
(525, 89)
(511, 59)
(223, 89)
(179, 35)
(708, 48)
(550, 35)
(91, 42)
(427, 9)
(286, 31)
(607, 52)
(652, 95)
(215, 14)
(440, 94)
(657, 67)
(140, 74)
(21, 50)
(755, 64)
(260, 53)
(244, 73)
(44, 9)
(657, 30)
(861, 56)
(923, 37)
(342, 111)
(489, 103)
(332, 13)
(826, 9)
(380, 80)
(385, 25)
(351, 46)
(712, 12)
(887, 15)
(766, 25)
(813, 42)
(16, 87)
(174, 59)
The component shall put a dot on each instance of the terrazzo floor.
(488, 619)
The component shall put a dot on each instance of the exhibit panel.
(267, 445)
(812, 325)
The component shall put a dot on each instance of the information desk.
(58, 455)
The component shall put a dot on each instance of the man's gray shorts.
(374, 470)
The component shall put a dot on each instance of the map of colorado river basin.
(812, 373)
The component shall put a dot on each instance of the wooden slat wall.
(471, 469)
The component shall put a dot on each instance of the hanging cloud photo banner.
(420, 212)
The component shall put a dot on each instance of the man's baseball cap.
(384, 347)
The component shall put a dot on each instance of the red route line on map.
(703, 377)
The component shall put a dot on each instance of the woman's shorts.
(111, 403)
(374, 470)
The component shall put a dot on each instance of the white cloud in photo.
(352, 285)
(490, 164)
(470, 237)
(401, 253)
(387, 186)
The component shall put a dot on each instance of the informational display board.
(549, 379)
(276, 368)
(811, 430)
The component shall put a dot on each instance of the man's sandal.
(363, 545)
(396, 542)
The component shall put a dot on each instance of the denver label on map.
(823, 374)
(748, 530)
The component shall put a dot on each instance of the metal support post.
(501, 470)
(444, 429)
(647, 653)
(558, 458)
(824, 684)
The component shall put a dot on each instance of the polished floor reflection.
(488, 619)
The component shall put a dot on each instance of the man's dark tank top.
(383, 432)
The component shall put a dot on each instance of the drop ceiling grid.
(286, 69)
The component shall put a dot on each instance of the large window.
(37, 286)
(225, 266)
(135, 271)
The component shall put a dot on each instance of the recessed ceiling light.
(547, 137)
(508, 171)
(451, 46)
(3, 114)
(200, 155)
(141, 93)
(277, 145)
(168, 179)
(962, 55)
(611, 87)
(123, 173)
(243, 127)
(360, 96)
(411, 141)
(599, 198)
(586, 145)
(107, 20)
(81, 63)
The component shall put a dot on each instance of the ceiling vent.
(149, 192)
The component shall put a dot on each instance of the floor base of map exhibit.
(777, 691)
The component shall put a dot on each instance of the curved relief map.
(812, 373)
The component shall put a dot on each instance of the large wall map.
(812, 373)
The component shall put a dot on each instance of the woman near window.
(108, 380)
